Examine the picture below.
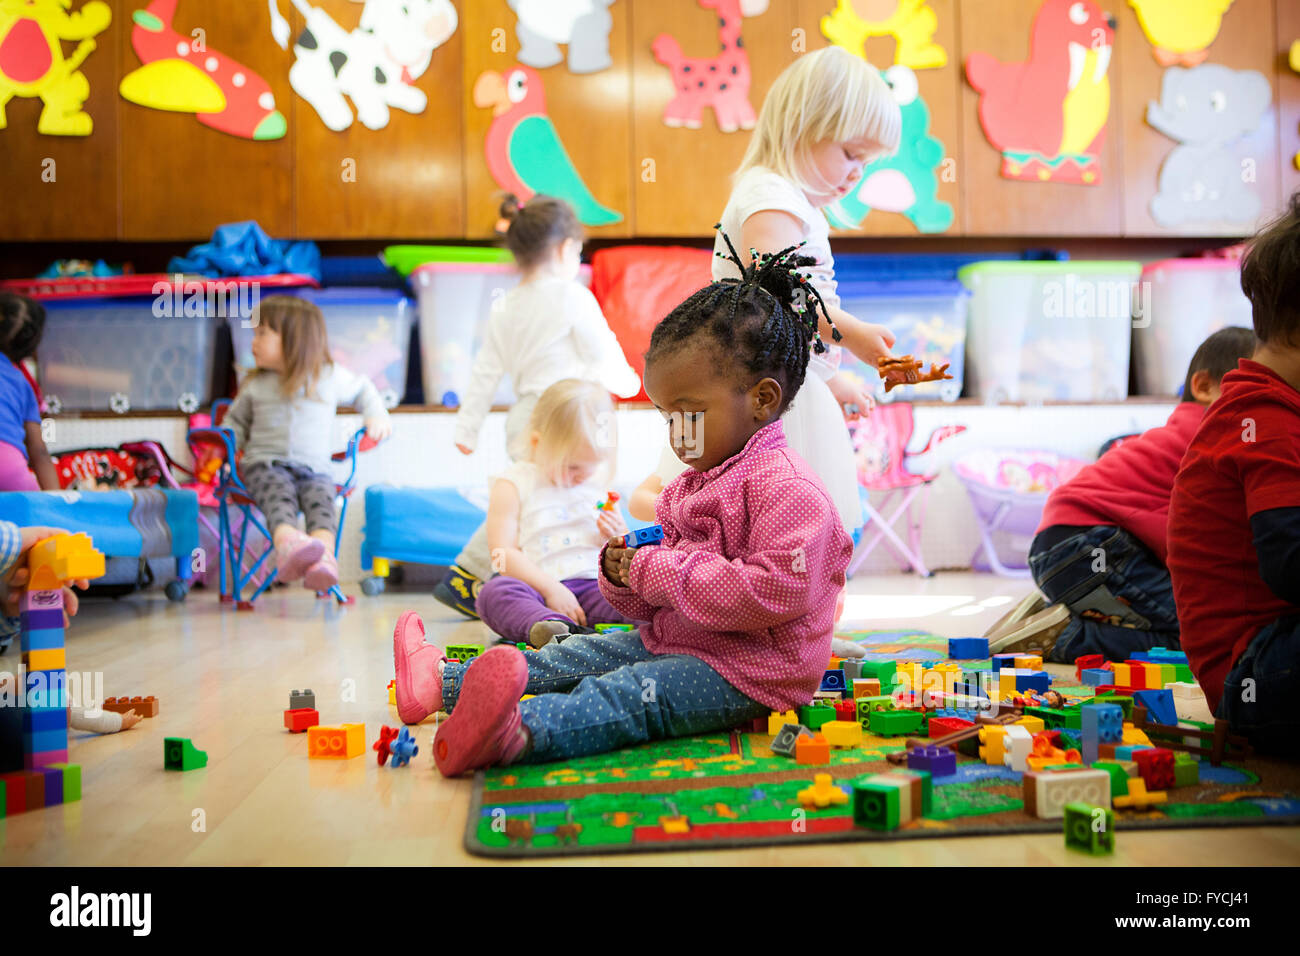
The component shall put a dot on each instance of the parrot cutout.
(523, 151)
(32, 61)
(910, 22)
(904, 182)
(1048, 114)
(1180, 31)
(222, 94)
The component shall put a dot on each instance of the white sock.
(107, 722)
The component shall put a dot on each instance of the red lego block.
(1137, 673)
(943, 726)
(1156, 767)
(1087, 662)
(24, 790)
(846, 710)
(143, 706)
(297, 721)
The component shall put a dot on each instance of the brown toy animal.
(906, 370)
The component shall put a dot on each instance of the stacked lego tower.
(47, 779)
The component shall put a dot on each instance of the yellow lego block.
(52, 659)
(1138, 798)
(1033, 662)
(63, 558)
(942, 678)
(1132, 736)
(777, 719)
(1006, 685)
(1032, 724)
(1122, 676)
(823, 793)
(1155, 676)
(842, 733)
(913, 674)
(992, 749)
(866, 687)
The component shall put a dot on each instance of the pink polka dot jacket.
(752, 559)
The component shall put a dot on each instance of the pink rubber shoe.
(322, 575)
(419, 682)
(303, 551)
(485, 728)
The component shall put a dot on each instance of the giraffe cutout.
(721, 81)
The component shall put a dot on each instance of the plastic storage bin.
(1049, 331)
(406, 259)
(928, 319)
(1188, 299)
(369, 332)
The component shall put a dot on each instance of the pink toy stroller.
(1008, 490)
(880, 445)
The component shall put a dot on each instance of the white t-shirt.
(759, 189)
(541, 332)
(557, 526)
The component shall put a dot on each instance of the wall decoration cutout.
(905, 182)
(910, 22)
(375, 65)
(1048, 114)
(221, 93)
(1180, 31)
(1205, 110)
(32, 61)
(1294, 61)
(523, 151)
(720, 81)
(582, 25)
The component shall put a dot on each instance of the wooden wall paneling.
(66, 187)
(682, 176)
(590, 112)
(940, 88)
(404, 180)
(995, 206)
(181, 179)
(1288, 99)
(1245, 42)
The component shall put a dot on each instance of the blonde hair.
(303, 340)
(828, 95)
(570, 418)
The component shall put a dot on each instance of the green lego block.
(71, 780)
(880, 670)
(180, 754)
(1080, 833)
(1167, 674)
(1064, 766)
(522, 646)
(1052, 718)
(603, 628)
(1118, 777)
(1125, 703)
(1187, 773)
(1183, 674)
(876, 806)
(892, 723)
(865, 705)
(464, 652)
(1071, 739)
(813, 716)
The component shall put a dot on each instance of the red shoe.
(419, 682)
(485, 728)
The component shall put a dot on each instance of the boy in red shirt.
(1234, 521)
(1099, 554)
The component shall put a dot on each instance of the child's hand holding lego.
(17, 579)
(618, 562)
(611, 524)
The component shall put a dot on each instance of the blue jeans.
(1120, 596)
(599, 693)
(1265, 711)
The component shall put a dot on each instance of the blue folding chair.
(238, 569)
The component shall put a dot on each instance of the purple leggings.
(510, 607)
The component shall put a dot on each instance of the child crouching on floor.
(739, 596)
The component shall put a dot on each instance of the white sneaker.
(1036, 633)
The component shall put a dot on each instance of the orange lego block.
(63, 558)
(1123, 675)
(866, 687)
(51, 659)
(1033, 662)
(812, 750)
(337, 743)
(823, 793)
(143, 706)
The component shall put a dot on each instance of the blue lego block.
(834, 681)
(1159, 705)
(1034, 680)
(1140, 656)
(1096, 677)
(403, 748)
(47, 689)
(1004, 660)
(651, 534)
(939, 761)
(38, 719)
(1106, 721)
(43, 639)
(968, 648)
(45, 740)
(42, 619)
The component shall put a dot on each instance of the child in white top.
(546, 329)
(543, 526)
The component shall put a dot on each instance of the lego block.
(1185, 689)
(643, 536)
(336, 743)
(1159, 705)
(605, 628)
(1168, 674)
(53, 786)
(1032, 724)
(991, 747)
(890, 723)
(1156, 767)
(44, 741)
(833, 680)
(1138, 798)
(1040, 681)
(34, 760)
(939, 761)
(784, 743)
(404, 748)
(301, 719)
(823, 792)
(71, 785)
(54, 659)
(62, 558)
(1155, 678)
(464, 652)
(1095, 677)
(39, 719)
(813, 716)
(24, 791)
(1087, 661)
(1134, 737)
(302, 699)
(968, 648)
(392, 693)
(880, 803)
(180, 754)
(880, 670)
(33, 601)
(852, 670)
(42, 639)
(47, 689)
(812, 750)
(1017, 745)
(777, 719)
(942, 726)
(1033, 662)
(842, 733)
(1187, 772)
(1122, 676)
(846, 709)
(1046, 793)
(143, 706)
(1089, 828)
(1102, 723)
(1118, 776)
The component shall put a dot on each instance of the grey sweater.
(269, 427)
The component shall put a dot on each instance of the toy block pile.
(46, 778)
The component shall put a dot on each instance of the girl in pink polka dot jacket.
(739, 597)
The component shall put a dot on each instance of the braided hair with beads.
(765, 321)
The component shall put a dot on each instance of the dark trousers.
(1260, 693)
(1119, 593)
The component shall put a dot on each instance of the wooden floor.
(223, 679)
